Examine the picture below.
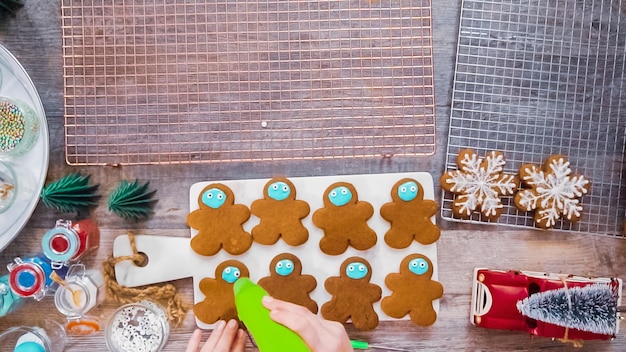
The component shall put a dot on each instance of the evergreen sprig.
(131, 200)
(70, 193)
(11, 5)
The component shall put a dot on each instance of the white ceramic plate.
(31, 168)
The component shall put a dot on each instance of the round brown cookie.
(552, 191)
(287, 283)
(280, 214)
(219, 222)
(344, 220)
(409, 215)
(353, 295)
(219, 298)
(413, 291)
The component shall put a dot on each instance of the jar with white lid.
(83, 290)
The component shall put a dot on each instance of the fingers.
(317, 333)
(215, 337)
(194, 341)
(225, 342)
(297, 318)
(225, 337)
(240, 341)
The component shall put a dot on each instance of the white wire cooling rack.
(149, 81)
(541, 77)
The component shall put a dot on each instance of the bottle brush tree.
(591, 308)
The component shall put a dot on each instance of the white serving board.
(171, 258)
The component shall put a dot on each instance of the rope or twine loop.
(577, 343)
(115, 292)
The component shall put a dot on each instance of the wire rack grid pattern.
(535, 78)
(183, 81)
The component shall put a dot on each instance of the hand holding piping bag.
(282, 326)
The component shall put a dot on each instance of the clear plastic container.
(8, 186)
(9, 300)
(141, 326)
(49, 336)
(19, 128)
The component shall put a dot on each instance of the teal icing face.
(214, 198)
(284, 267)
(230, 274)
(418, 266)
(407, 191)
(356, 270)
(340, 196)
(279, 190)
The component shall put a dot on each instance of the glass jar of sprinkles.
(19, 128)
(8, 186)
(141, 326)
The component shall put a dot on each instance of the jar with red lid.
(30, 277)
(68, 241)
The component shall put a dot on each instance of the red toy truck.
(495, 294)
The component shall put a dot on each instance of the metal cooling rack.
(181, 81)
(542, 77)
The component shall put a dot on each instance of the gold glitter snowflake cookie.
(479, 184)
(552, 191)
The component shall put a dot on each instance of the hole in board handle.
(143, 261)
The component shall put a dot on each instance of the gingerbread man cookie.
(409, 214)
(219, 298)
(344, 220)
(413, 291)
(353, 295)
(280, 214)
(287, 283)
(219, 222)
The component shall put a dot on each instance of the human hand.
(225, 337)
(320, 335)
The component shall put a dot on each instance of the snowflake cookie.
(552, 191)
(479, 184)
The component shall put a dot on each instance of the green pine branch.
(11, 5)
(70, 193)
(132, 201)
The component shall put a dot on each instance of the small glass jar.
(30, 277)
(8, 186)
(9, 300)
(69, 240)
(140, 326)
(49, 336)
(83, 291)
(19, 128)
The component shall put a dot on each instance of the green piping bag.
(269, 335)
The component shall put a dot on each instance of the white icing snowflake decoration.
(479, 184)
(553, 191)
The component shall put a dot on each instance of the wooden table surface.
(34, 37)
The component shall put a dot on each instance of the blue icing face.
(279, 190)
(230, 274)
(284, 267)
(356, 270)
(418, 266)
(214, 198)
(407, 191)
(340, 196)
